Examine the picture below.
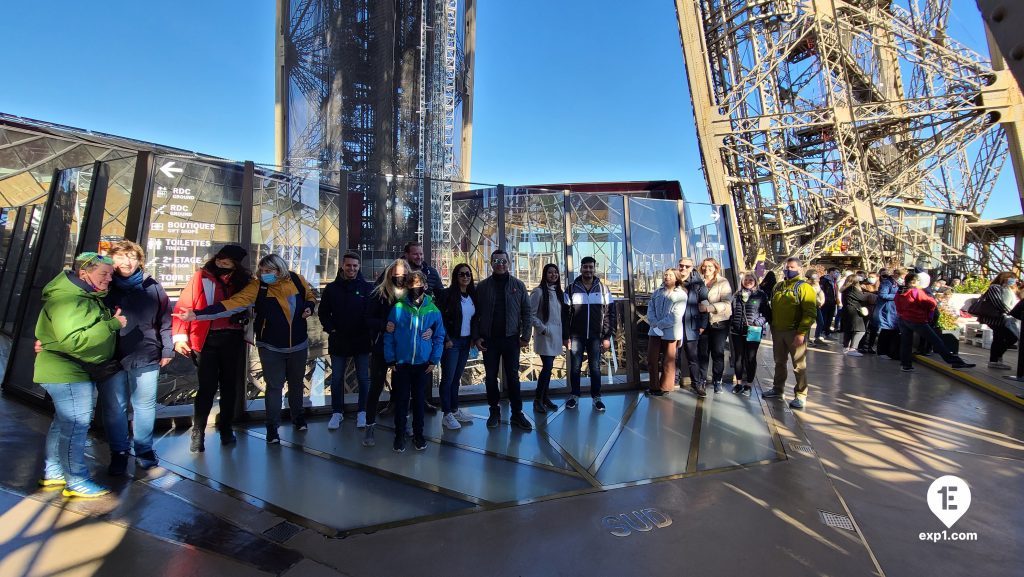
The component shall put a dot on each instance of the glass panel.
(14, 269)
(706, 235)
(654, 247)
(120, 173)
(598, 229)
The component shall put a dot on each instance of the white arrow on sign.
(169, 169)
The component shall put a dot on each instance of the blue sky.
(566, 90)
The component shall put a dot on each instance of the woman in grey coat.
(549, 303)
(665, 317)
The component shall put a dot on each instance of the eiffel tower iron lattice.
(854, 130)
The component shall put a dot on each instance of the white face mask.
(872, 279)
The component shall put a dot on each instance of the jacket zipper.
(415, 333)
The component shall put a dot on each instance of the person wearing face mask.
(813, 279)
(750, 313)
(144, 347)
(915, 309)
(550, 307)
(216, 347)
(413, 357)
(1000, 298)
(794, 309)
(388, 291)
(75, 329)
(884, 315)
(853, 315)
(829, 284)
(281, 301)
(870, 287)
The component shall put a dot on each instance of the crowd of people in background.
(107, 328)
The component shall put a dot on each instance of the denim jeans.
(503, 351)
(139, 386)
(592, 347)
(338, 365)
(547, 365)
(409, 380)
(453, 363)
(278, 368)
(73, 405)
(928, 334)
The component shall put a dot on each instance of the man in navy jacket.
(588, 329)
(694, 323)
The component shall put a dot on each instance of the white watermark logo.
(949, 497)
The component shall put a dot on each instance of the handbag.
(98, 372)
(984, 307)
(754, 334)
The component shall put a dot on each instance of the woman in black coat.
(854, 317)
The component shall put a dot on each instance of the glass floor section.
(329, 481)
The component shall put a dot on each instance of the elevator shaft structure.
(851, 131)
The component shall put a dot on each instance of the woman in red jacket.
(219, 344)
(915, 309)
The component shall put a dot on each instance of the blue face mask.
(1011, 282)
(790, 274)
(268, 278)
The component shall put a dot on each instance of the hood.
(65, 284)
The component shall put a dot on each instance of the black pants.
(1002, 339)
(504, 351)
(870, 338)
(544, 380)
(744, 357)
(688, 353)
(409, 381)
(828, 313)
(378, 377)
(221, 365)
(889, 343)
(712, 344)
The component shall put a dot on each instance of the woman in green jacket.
(74, 326)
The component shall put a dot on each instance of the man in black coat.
(830, 287)
(343, 314)
(694, 323)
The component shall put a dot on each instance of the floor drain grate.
(804, 450)
(165, 482)
(282, 531)
(837, 521)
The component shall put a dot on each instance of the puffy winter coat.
(73, 321)
(754, 312)
(591, 312)
(720, 297)
(665, 312)
(405, 346)
(793, 308)
(343, 315)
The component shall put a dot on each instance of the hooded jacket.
(591, 312)
(73, 321)
(344, 315)
(885, 307)
(405, 346)
(693, 319)
(147, 337)
(204, 290)
(278, 323)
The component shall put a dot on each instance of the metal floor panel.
(733, 432)
(584, 432)
(324, 491)
(655, 442)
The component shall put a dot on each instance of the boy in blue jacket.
(414, 348)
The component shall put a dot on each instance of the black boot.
(198, 438)
(227, 437)
(118, 464)
(548, 403)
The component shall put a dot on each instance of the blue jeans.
(928, 334)
(409, 380)
(278, 368)
(592, 347)
(338, 365)
(139, 386)
(547, 364)
(453, 363)
(73, 405)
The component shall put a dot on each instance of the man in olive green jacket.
(794, 310)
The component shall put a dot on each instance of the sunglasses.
(686, 266)
(465, 274)
(499, 261)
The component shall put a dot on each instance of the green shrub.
(973, 284)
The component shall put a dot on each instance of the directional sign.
(169, 169)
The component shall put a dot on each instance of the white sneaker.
(854, 353)
(450, 422)
(999, 365)
(463, 416)
(335, 421)
(361, 420)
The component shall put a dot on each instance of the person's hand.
(390, 327)
(38, 347)
(306, 313)
(606, 345)
(798, 340)
(187, 315)
(480, 345)
(430, 367)
(448, 344)
(182, 348)
(566, 343)
(120, 318)
(427, 334)
(165, 362)
(700, 331)
(523, 343)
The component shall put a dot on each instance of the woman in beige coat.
(719, 306)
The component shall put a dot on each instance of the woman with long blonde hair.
(390, 290)
(665, 317)
(719, 306)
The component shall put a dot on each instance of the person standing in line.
(504, 325)
(915, 309)
(343, 315)
(719, 308)
(664, 316)
(550, 305)
(1005, 332)
(74, 327)
(750, 313)
(853, 315)
(829, 285)
(884, 315)
(794, 308)
(414, 360)
(282, 301)
(587, 330)
(813, 279)
(144, 347)
(217, 347)
(694, 322)
(458, 307)
(870, 287)
(388, 291)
